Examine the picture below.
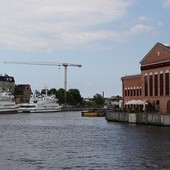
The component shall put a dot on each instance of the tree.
(98, 100)
(53, 91)
(43, 91)
(60, 95)
(74, 97)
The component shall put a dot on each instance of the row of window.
(157, 84)
(133, 92)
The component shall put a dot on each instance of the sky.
(107, 37)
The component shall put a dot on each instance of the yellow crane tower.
(65, 65)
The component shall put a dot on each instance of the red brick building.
(153, 84)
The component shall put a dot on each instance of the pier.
(139, 118)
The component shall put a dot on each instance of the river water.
(67, 141)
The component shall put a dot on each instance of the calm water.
(68, 141)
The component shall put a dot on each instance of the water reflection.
(69, 141)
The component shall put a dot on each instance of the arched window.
(146, 84)
(151, 84)
(131, 91)
(137, 91)
(125, 91)
(156, 83)
(161, 83)
(134, 91)
(167, 82)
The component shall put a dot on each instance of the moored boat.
(7, 104)
(93, 113)
(39, 104)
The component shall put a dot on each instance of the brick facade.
(22, 93)
(154, 80)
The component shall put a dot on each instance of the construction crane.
(65, 65)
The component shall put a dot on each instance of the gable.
(158, 54)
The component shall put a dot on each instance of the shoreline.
(139, 118)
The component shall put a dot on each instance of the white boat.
(7, 104)
(40, 104)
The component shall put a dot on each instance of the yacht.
(40, 103)
(7, 103)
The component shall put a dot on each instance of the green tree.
(53, 91)
(43, 91)
(98, 100)
(74, 97)
(60, 95)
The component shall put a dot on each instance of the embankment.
(139, 118)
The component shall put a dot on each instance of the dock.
(139, 118)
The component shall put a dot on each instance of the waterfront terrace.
(152, 85)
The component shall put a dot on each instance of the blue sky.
(108, 37)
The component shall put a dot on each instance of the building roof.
(116, 97)
(22, 86)
(163, 58)
(131, 76)
(7, 78)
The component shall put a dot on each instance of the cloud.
(166, 44)
(166, 3)
(43, 24)
(140, 28)
(160, 24)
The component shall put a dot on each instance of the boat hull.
(92, 113)
(8, 111)
(7, 104)
(38, 110)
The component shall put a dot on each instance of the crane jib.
(43, 63)
(50, 64)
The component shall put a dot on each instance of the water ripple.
(67, 141)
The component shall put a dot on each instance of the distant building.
(22, 93)
(153, 84)
(115, 102)
(7, 83)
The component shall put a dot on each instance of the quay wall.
(139, 118)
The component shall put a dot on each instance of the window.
(150, 85)
(137, 92)
(167, 84)
(134, 92)
(146, 85)
(161, 85)
(125, 92)
(156, 84)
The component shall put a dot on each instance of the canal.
(67, 141)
